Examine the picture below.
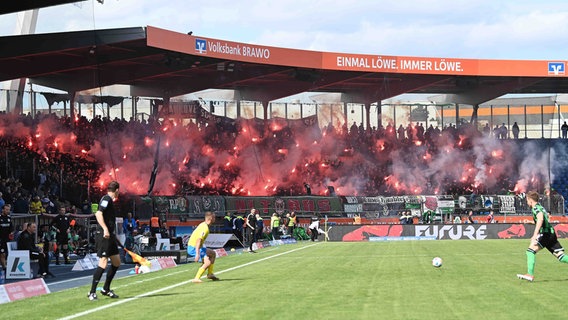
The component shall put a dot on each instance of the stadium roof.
(22, 5)
(162, 63)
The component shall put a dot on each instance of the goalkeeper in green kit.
(544, 236)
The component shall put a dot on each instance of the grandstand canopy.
(162, 63)
(22, 5)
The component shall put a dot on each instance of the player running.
(197, 250)
(544, 236)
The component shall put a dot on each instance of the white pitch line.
(53, 284)
(110, 305)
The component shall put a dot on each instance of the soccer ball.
(437, 262)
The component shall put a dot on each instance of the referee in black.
(107, 247)
(61, 223)
(251, 226)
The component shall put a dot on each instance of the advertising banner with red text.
(397, 232)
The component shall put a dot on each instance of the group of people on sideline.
(431, 217)
(252, 227)
(52, 241)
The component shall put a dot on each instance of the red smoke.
(277, 160)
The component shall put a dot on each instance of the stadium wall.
(344, 209)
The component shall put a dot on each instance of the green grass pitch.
(366, 280)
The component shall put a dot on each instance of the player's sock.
(96, 278)
(531, 257)
(563, 258)
(199, 273)
(109, 277)
(210, 269)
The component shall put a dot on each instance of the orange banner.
(222, 49)
(441, 66)
(230, 50)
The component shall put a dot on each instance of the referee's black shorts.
(62, 238)
(106, 247)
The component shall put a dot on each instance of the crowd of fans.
(354, 151)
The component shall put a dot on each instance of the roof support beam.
(477, 94)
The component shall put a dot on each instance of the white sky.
(521, 29)
(481, 29)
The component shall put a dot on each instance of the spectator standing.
(129, 225)
(155, 224)
(497, 132)
(259, 227)
(250, 227)
(292, 223)
(406, 217)
(564, 129)
(21, 204)
(228, 223)
(402, 218)
(515, 130)
(400, 132)
(61, 223)
(42, 178)
(48, 206)
(285, 221)
(503, 132)
(486, 130)
(107, 247)
(274, 225)
(6, 228)
(86, 207)
(426, 217)
(308, 189)
(36, 207)
(26, 242)
(409, 217)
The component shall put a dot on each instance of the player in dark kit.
(251, 225)
(544, 236)
(107, 247)
(61, 222)
(6, 228)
